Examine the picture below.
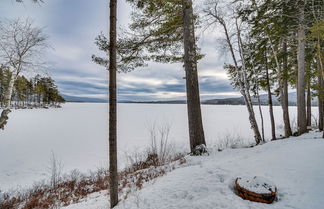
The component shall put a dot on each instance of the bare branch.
(21, 45)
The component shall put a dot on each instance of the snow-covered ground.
(294, 165)
(77, 134)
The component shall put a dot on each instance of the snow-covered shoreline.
(295, 165)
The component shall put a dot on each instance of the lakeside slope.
(295, 165)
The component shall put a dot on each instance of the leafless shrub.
(231, 140)
(55, 170)
(161, 148)
(160, 151)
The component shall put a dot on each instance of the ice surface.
(78, 135)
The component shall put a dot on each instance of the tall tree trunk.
(320, 64)
(284, 92)
(273, 126)
(245, 90)
(196, 131)
(283, 85)
(309, 104)
(7, 101)
(261, 114)
(113, 175)
(320, 97)
(301, 37)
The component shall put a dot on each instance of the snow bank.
(295, 165)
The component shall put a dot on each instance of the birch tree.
(21, 48)
(238, 71)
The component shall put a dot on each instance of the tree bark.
(273, 126)
(261, 114)
(196, 131)
(320, 65)
(113, 175)
(284, 92)
(301, 37)
(320, 97)
(7, 101)
(309, 105)
(252, 119)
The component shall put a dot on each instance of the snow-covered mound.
(256, 184)
(295, 165)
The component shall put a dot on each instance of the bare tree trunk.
(283, 85)
(273, 126)
(301, 37)
(252, 119)
(113, 175)
(196, 131)
(261, 114)
(309, 105)
(284, 92)
(246, 88)
(320, 97)
(321, 75)
(7, 101)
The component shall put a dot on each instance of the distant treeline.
(30, 93)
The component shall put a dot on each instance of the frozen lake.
(78, 135)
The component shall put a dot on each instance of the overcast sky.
(72, 26)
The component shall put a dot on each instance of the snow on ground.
(295, 165)
(77, 134)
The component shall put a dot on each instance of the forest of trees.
(30, 93)
(274, 46)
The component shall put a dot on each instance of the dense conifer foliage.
(37, 91)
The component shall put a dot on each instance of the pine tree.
(113, 175)
(157, 33)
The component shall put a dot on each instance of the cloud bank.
(72, 26)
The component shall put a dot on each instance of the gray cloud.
(72, 27)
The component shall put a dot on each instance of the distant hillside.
(226, 101)
(240, 100)
(292, 97)
(82, 99)
(157, 102)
